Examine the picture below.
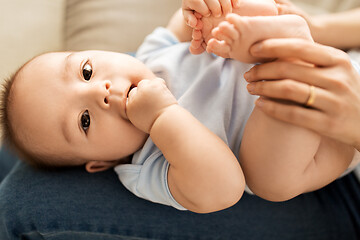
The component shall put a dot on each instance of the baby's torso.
(211, 88)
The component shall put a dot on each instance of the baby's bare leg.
(234, 37)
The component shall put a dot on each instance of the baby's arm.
(281, 160)
(234, 36)
(178, 27)
(204, 175)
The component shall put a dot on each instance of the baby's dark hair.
(8, 137)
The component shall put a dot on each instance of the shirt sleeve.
(155, 44)
(356, 65)
(355, 164)
(147, 178)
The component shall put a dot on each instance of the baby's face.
(73, 105)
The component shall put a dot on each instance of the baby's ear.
(98, 166)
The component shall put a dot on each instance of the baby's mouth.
(131, 87)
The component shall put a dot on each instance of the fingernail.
(259, 102)
(256, 48)
(250, 87)
(217, 15)
(247, 76)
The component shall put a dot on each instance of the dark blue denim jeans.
(73, 204)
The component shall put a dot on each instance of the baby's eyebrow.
(66, 64)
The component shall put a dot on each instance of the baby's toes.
(196, 43)
(220, 48)
(196, 47)
(197, 35)
(226, 32)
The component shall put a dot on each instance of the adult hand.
(335, 100)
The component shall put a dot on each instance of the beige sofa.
(28, 28)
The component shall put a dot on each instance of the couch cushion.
(28, 28)
(325, 6)
(115, 25)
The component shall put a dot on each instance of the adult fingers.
(226, 6)
(299, 48)
(295, 114)
(197, 6)
(190, 18)
(294, 91)
(306, 73)
(215, 7)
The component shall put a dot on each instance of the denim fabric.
(7, 161)
(73, 204)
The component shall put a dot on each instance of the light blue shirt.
(211, 88)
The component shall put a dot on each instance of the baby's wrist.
(169, 110)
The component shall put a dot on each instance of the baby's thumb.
(129, 99)
(132, 93)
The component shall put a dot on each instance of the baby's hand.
(147, 102)
(195, 10)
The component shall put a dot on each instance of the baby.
(171, 123)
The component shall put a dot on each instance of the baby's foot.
(202, 32)
(234, 37)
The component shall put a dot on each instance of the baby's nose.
(107, 88)
(104, 92)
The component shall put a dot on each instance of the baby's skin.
(234, 37)
(231, 36)
(202, 32)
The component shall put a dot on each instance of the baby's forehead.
(37, 74)
(44, 58)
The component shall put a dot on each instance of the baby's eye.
(87, 71)
(85, 121)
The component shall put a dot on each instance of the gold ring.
(311, 99)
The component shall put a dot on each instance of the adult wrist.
(357, 146)
(317, 27)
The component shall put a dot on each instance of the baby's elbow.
(276, 193)
(222, 198)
